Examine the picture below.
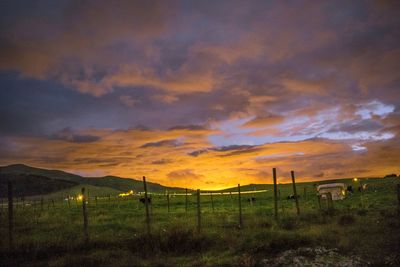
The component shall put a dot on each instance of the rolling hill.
(33, 181)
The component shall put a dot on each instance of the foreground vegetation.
(363, 229)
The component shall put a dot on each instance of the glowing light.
(79, 197)
(355, 179)
(130, 193)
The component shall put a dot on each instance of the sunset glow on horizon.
(201, 94)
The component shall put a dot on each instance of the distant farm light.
(355, 179)
(130, 193)
(79, 197)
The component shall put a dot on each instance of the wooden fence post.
(296, 197)
(212, 201)
(330, 200)
(186, 200)
(146, 201)
(69, 201)
(240, 208)
(198, 212)
(275, 194)
(319, 201)
(398, 199)
(52, 202)
(362, 194)
(10, 216)
(85, 217)
(168, 201)
(95, 200)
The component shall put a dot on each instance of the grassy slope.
(54, 236)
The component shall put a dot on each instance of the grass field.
(363, 229)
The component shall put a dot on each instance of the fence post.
(275, 193)
(52, 202)
(85, 217)
(146, 201)
(10, 215)
(41, 203)
(330, 200)
(198, 212)
(362, 194)
(398, 199)
(305, 193)
(186, 200)
(295, 193)
(319, 201)
(168, 201)
(212, 201)
(240, 208)
(69, 201)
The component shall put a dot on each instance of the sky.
(201, 94)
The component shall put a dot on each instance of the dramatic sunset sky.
(201, 94)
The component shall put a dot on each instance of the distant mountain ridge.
(30, 180)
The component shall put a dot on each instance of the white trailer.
(337, 190)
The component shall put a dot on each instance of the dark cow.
(292, 197)
(350, 189)
(143, 200)
(251, 199)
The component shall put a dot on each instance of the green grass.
(366, 226)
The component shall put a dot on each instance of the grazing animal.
(350, 189)
(293, 197)
(143, 200)
(251, 199)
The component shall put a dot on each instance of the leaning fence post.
(198, 212)
(10, 215)
(295, 193)
(85, 217)
(146, 201)
(275, 193)
(186, 200)
(240, 208)
(95, 200)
